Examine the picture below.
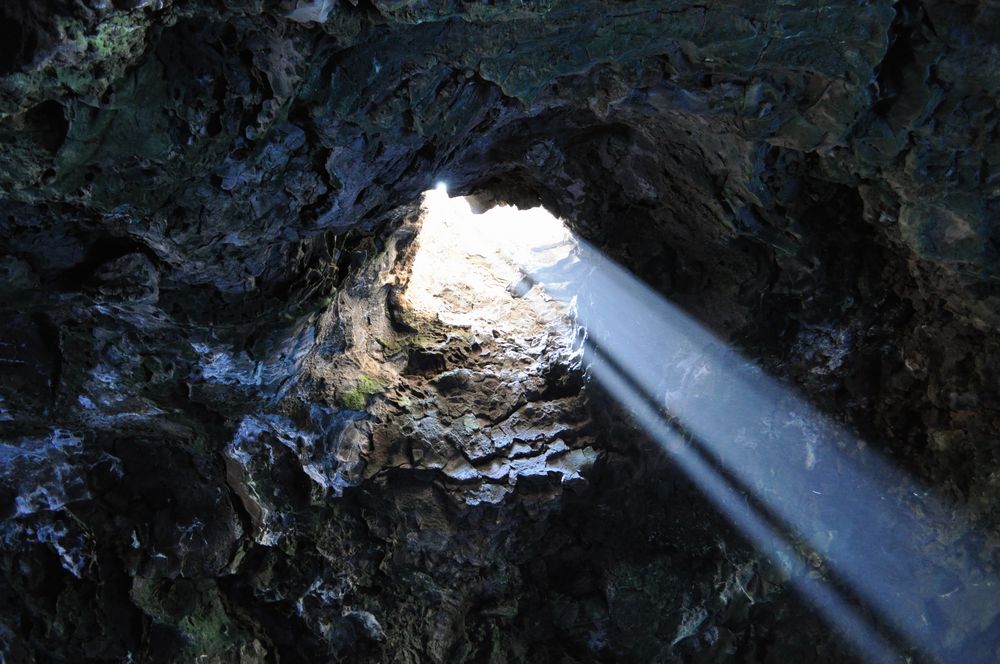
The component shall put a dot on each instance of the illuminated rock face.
(225, 432)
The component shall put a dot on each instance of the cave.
(507, 331)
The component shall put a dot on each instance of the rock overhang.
(190, 190)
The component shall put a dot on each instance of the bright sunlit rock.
(471, 270)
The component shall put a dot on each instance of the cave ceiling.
(227, 436)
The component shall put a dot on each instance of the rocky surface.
(224, 434)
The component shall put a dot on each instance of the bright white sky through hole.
(468, 265)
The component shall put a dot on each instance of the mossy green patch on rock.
(192, 607)
(91, 58)
(391, 346)
(357, 398)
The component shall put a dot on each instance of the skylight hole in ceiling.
(478, 271)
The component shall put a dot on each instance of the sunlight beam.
(733, 505)
(888, 563)
(875, 528)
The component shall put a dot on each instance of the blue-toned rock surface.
(223, 438)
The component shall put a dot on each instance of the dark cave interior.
(227, 434)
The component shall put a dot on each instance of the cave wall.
(191, 189)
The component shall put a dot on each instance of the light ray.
(777, 468)
(876, 528)
(733, 505)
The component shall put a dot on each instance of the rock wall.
(202, 200)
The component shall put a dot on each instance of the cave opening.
(735, 400)
(473, 268)
(796, 485)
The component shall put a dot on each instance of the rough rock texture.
(203, 205)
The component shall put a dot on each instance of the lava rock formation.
(226, 437)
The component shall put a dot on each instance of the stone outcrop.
(224, 435)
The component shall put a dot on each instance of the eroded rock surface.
(225, 435)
